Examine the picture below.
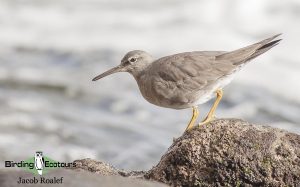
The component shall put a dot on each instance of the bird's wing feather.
(186, 73)
(245, 54)
(193, 69)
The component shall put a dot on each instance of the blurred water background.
(50, 51)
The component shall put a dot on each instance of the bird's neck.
(139, 71)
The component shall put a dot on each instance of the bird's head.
(133, 62)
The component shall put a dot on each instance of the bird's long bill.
(111, 71)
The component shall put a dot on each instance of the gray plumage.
(186, 79)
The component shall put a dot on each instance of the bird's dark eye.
(132, 59)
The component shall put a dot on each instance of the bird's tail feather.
(264, 49)
(245, 54)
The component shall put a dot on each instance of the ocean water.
(50, 51)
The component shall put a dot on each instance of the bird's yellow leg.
(194, 117)
(211, 113)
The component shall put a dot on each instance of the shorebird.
(186, 80)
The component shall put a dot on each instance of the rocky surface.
(231, 152)
(94, 166)
(225, 152)
(104, 169)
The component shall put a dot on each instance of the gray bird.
(186, 80)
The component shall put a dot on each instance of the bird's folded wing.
(188, 72)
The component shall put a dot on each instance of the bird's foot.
(203, 123)
(207, 120)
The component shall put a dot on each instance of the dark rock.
(94, 166)
(104, 169)
(231, 152)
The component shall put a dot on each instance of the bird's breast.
(162, 93)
